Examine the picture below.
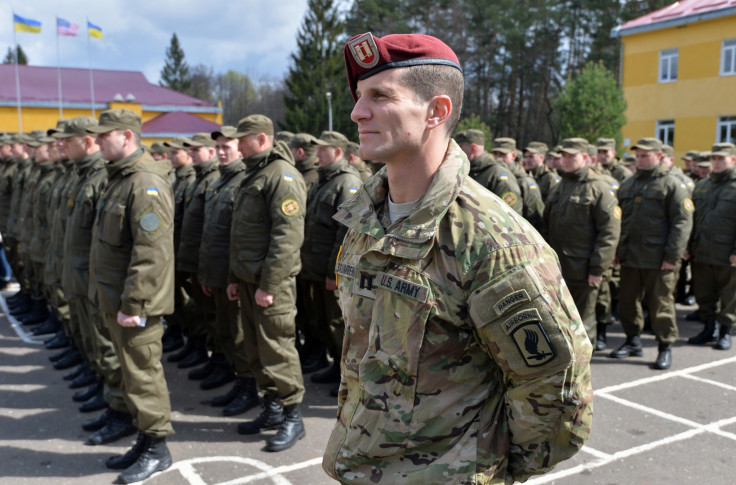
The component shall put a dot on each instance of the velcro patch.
(402, 287)
(509, 301)
(521, 318)
(345, 269)
(533, 343)
(363, 284)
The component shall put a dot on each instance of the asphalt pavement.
(650, 427)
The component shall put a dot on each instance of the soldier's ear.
(440, 108)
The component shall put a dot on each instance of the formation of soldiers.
(229, 237)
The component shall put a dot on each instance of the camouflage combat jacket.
(713, 238)
(214, 250)
(583, 224)
(81, 206)
(657, 218)
(497, 178)
(464, 357)
(268, 221)
(187, 255)
(132, 254)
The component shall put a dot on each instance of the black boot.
(121, 462)
(58, 341)
(724, 338)
(154, 458)
(86, 378)
(270, 418)
(693, 316)
(291, 430)
(83, 368)
(96, 403)
(68, 361)
(601, 342)
(119, 425)
(330, 376)
(707, 335)
(220, 375)
(97, 423)
(172, 338)
(246, 400)
(197, 356)
(316, 360)
(664, 358)
(51, 325)
(227, 398)
(202, 372)
(630, 348)
(60, 355)
(38, 315)
(183, 353)
(86, 394)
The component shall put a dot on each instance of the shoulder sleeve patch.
(288, 177)
(150, 221)
(510, 198)
(152, 191)
(617, 212)
(688, 205)
(290, 207)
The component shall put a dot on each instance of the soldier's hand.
(233, 292)
(686, 255)
(127, 320)
(263, 299)
(666, 266)
(207, 290)
(732, 259)
(594, 280)
(330, 284)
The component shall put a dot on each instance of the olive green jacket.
(187, 255)
(546, 179)
(308, 169)
(8, 172)
(657, 218)
(185, 177)
(323, 235)
(24, 171)
(713, 238)
(684, 179)
(583, 224)
(268, 221)
(532, 199)
(58, 213)
(616, 170)
(132, 253)
(40, 232)
(214, 250)
(82, 205)
(496, 177)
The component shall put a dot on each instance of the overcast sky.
(250, 36)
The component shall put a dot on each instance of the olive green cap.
(253, 125)
(574, 145)
(629, 159)
(39, 137)
(648, 144)
(158, 148)
(504, 145)
(6, 140)
(302, 140)
(57, 129)
(77, 127)
(605, 144)
(226, 130)
(117, 119)
(470, 136)
(284, 136)
(556, 152)
(199, 140)
(668, 151)
(704, 157)
(178, 142)
(352, 148)
(691, 155)
(537, 147)
(332, 139)
(592, 150)
(723, 149)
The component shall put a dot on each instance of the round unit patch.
(688, 205)
(290, 207)
(617, 212)
(150, 221)
(510, 198)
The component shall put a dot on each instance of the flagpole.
(91, 77)
(58, 68)
(17, 78)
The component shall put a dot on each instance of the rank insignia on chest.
(363, 284)
(152, 191)
(532, 342)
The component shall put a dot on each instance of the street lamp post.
(329, 109)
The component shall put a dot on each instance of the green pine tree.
(10, 56)
(317, 67)
(175, 74)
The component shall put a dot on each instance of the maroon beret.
(366, 55)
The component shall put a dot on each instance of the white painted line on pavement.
(276, 473)
(190, 474)
(19, 369)
(186, 469)
(708, 381)
(594, 452)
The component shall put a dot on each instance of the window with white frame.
(668, 65)
(728, 57)
(666, 131)
(726, 129)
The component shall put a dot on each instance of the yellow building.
(165, 113)
(678, 75)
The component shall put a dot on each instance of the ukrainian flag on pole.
(26, 25)
(94, 31)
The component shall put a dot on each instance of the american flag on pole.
(64, 27)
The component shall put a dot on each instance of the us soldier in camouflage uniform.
(132, 261)
(712, 248)
(266, 234)
(606, 152)
(583, 223)
(489, 172)
(504, 149)
(657, 218)
(534, 155)
(464, 359)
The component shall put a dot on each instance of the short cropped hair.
(429, 80)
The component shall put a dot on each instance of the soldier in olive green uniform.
(490, 173)
(202, 150)
(504, 149)
(8, 171)
(713, 248)
(214, 268)
(12, 237)
(583, 223)
(464, 359)
(266, 234)
(351, 153)
(546, 179)
(606, 152)
(132, 264)
(657, 218)
(338, 181)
